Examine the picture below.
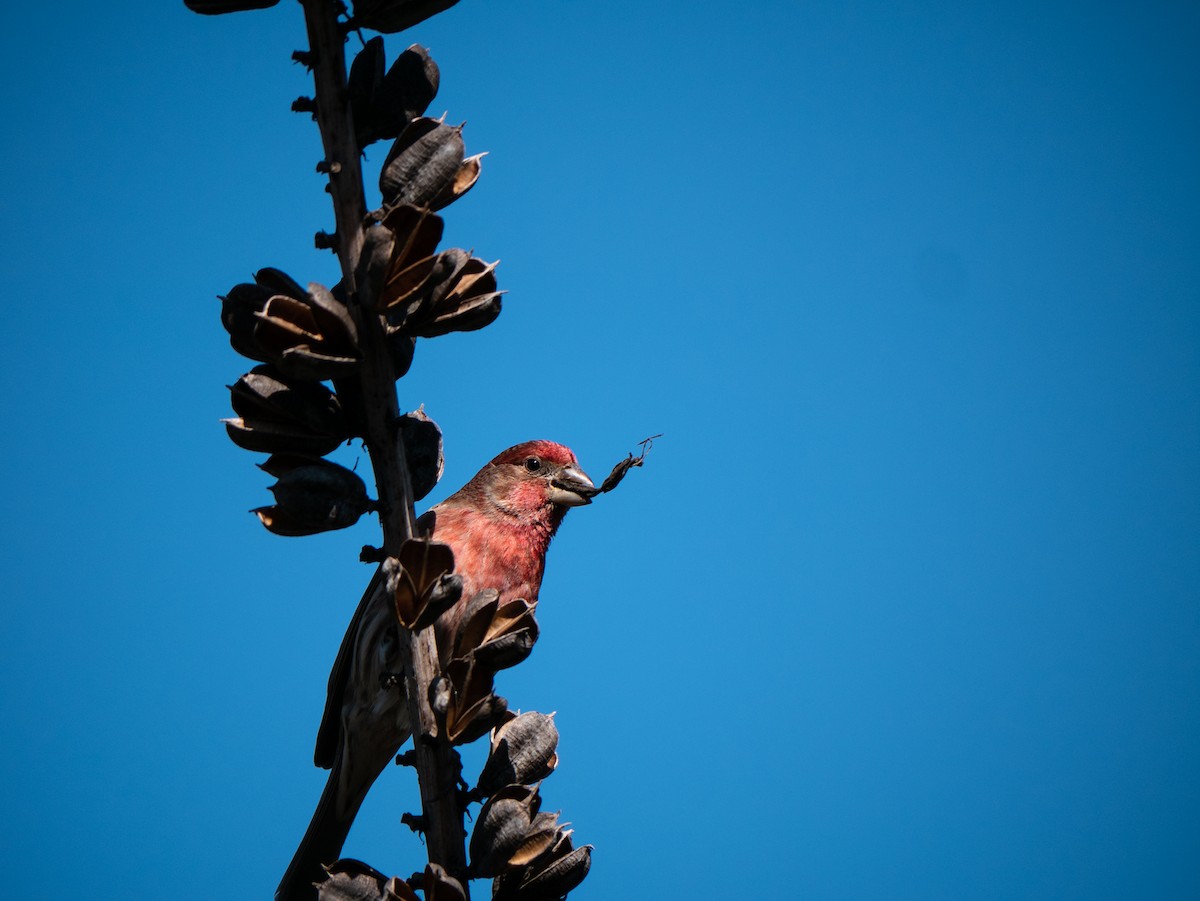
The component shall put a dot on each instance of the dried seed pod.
(464, 180)
(422, 450)
(417, 232)
(421, 581)
(353, 880)
(363, 87)
(408, 88)
(539, 838)
(306, 334)
(496, 635)
(391, 16)
(217, 7)
(277, 415)
(473, 709)
(441, 886)
(523, 750)
(379, 243)
(549, 876)
(311, 495)
(423, 163)
(501, 828)
(470, 303)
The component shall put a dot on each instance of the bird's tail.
(322, 842)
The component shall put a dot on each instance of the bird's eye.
(533, 464)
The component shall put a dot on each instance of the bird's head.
(536, 475)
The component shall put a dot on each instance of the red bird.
(499, 526)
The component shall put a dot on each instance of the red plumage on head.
(547, 450)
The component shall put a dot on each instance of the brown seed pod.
(218, 7)
(441, 886)
(391, 16)
(549, 876)
(311, 495)
(423, 163)
(422, 450)
(523, 750)
(464, 180)
(306, 334)
(501, 828)
(496, 635)
(278, 415)
(422, 582)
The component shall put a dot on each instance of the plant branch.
(436, 761)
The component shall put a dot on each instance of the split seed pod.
(311, 496)
(463, 699)
(422, 441)
(524, 751)
(548, 877)
(441, 886)
(496, 635)
(422, 582)
(501, 828)
(306, 334)
(391, 16)
(278, 415)
(423, 163)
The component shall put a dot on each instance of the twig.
(435, 760)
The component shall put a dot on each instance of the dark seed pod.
(523, 751)
(306, 334)
(471, 303)
(464, 180)
(473, 709)
(423, 163)
(548, 877)
(422, 450)
(276, 415)
(352, 880)
(408, 88)
(311, 496)
(363, 87)
(496, 635)
(539, 838)
(421, 581)
(391, 16)
(379, 243)
(441, 886)
(217, 7)
(501, 828)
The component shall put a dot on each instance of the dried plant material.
(463, 699)
(618, 472)
(441, 886)
(541, 835)
(352, 880)
(523, 751)
(379, 244)
(278, 415)
(363, 86)
(421, 581)
(418, 232)
(423, 163)
(306, 334)
(218, 7)
(549, 876)
(391, 16)
(497, 635)
(422, 450)
(462, 297)
(468, 175)
(501, 827)
(408, 88)
(311, 496)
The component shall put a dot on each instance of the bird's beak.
(571, 488)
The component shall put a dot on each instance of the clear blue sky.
(907, 602)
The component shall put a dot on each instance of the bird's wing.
(329, 733)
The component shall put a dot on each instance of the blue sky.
(906, 602)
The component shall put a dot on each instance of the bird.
(499, 526)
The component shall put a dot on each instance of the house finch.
(499, 526)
